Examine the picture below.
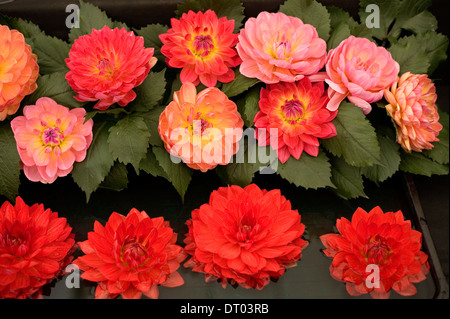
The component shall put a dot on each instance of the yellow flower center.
(203, 45)
(293, 110)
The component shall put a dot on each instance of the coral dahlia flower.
(359, 70)
(50, 138)
(376, 252)
(18, 70)
(412, 106)
(203, 46)
(35, 247)
(244, 236)
(298, 112)
(130, 256)
(201, 129)
(275, 47)
(106, 65)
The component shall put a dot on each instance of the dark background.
(50, 16)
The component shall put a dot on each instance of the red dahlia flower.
(203, 46)
(106, 65)
(131, 255)
(244, 236)
(35, 246)
(376, 242)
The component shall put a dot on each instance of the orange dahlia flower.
(203, 46)
(412, 106)
(50, 139)
(244, 236)
(376, 252)
(35, 246)
(202, 129)
(106, 65)
(18, 70)
(298, 111)
(130, 256)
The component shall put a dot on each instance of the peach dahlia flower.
(412, 106)
(275, 47)
(18, 70)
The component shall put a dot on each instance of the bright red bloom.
(106, 65)
(203, 46)
(383, 240)
(131, 255)
(298, 112)
(244, 236)
(35, 246)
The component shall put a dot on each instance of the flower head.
(35, 246)
(383, 241)
(203, 46)
(412, 106)
(298, 112)
(275, 47)
(18, 70)
(245, 236)
(130, 256)
(106, 65)
(202, 129)
(50, 138)
(360, 70)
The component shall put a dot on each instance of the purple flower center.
(203, 44)
(293, 110)
(52, 136)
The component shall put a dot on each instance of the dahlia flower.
(202, 129)
(18, 71)
(376, 240)
(203, 46)
(106, 65)
(359, 70)
(298, 111)
(244, 236)
(275, 47)
(35, 247)
(50, 138)
(130, 256)
(412, 106)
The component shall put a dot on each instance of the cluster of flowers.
(279, 50)
(243, 236)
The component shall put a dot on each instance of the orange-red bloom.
(203, 46)
(35, 246)
(376, 252)
(106, 65)
(131, 255)
(18, 70)
(244, 236)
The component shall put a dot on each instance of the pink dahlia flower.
(360, 70)
(275, 47)
(106, 65)
(50, 138)
(203, 46)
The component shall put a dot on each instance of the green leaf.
(128, 140)
(412, 16)
(91, 17)
(51, 53)
(410, 54)
(310, 12)
(151, 118)
(231, 9)
(347, 179)
(54, 86)
(307, 171)
(239, 85)
(389, 157)
(27, 28)
(151, 33)
(338, 16)
(117, 178)
(248, 105)
(440, 152)
(150, 165)
(417, 163)
(435, 46)
(89, 173)
(177, 173)
(388, 9)
(150, 92)
(340, 33)
(9, 164)
(356, 139)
